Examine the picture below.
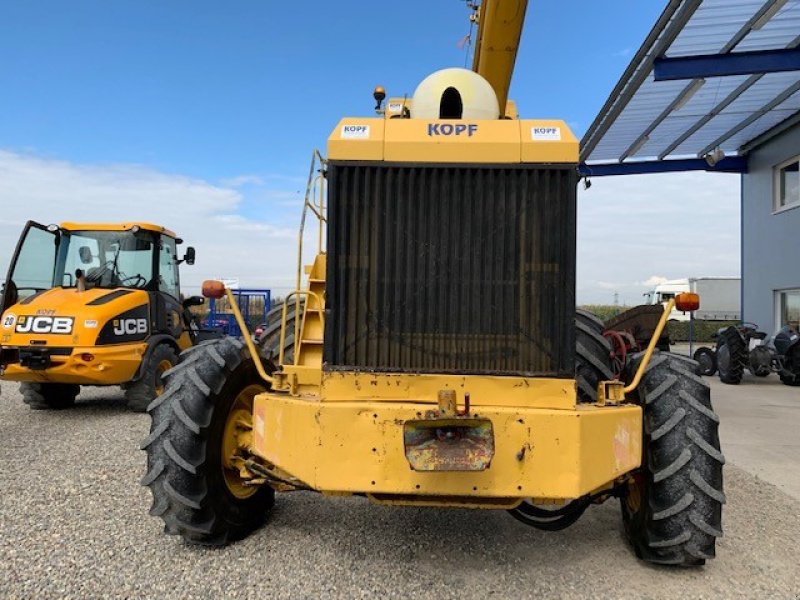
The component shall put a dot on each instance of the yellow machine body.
(353, 432)
(110, 364)
(508, 141)
(79, 329)
(352, 438)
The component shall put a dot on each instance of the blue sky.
(234, 96)
(214, 90)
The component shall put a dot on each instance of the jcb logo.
(130, 326)
(55, 325)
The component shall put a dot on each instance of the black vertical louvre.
(451, 269)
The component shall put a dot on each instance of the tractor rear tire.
(790, 374)
(140, 393)
(731, 356)
(49, 396)
(592, 355)
(194, 493)
(672, 508)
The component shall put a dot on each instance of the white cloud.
(242, 180)
(207, 216)
(654, 280)
(676, 225)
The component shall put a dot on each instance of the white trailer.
(720, 297)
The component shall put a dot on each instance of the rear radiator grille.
(451, 269)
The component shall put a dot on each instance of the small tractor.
(740, 347)
(94, 304)
(437, 358)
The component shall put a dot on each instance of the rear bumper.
(111, 365)
(358, 447)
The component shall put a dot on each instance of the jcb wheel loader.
(94, 304)
(437, 356)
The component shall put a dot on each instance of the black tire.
(185, 472)
(790, 374)
(673, 511)
(49, 396)
(731, 356)
(706, 360)
(759, 361)
(269, 341)
(592, 355)
(140, 393)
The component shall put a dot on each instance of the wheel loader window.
(34, 267)
(168, 268)
(109, 258)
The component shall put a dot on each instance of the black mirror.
(193, 301)
(86, 254)
(189, 256)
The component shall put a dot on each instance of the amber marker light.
(213, 289)
(687, 302)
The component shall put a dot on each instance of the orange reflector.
(86, 357)
(213, 288)
(687, 301)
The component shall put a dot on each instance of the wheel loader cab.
(91, 304)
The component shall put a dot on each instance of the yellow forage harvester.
(433, 356)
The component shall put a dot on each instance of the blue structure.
(248, 300)
(716, 87)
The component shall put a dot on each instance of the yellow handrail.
(282, 342)
(650, 347)
(314, 183)
(248, 339)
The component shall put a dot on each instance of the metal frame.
(694, 68)
(637, 71)
(729, 164)
(753, 117)
(721, 65)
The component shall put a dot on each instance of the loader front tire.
(592, 355)
(49, 396)
(672, 506)
(140, 393)
(196, 491)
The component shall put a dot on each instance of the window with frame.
(168, 280)
(787, 184)
(788, 308)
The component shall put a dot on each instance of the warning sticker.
(546, 134)
(355, 132)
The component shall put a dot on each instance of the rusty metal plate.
(449, 444)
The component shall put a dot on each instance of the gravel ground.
(74, 523)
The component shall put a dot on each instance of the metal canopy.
(712, 77)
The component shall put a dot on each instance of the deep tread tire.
(139, 394)
(49, 396)
(731, 367)
(184, 448)
(679, 515)
(592, 355)
(706, 361)
(269, 341)
(790, 375)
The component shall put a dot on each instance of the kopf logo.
(450, 129)
(55, 325)
(130, 326)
